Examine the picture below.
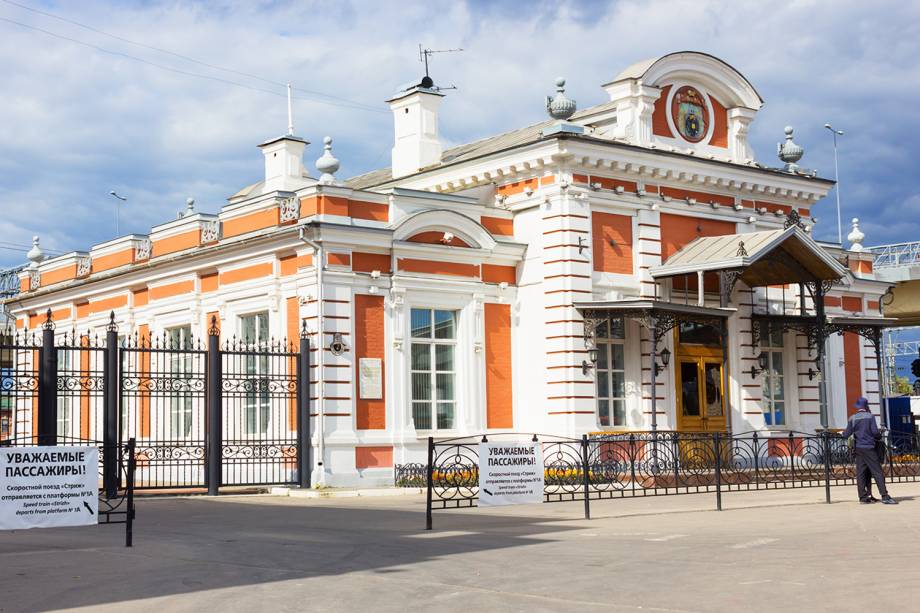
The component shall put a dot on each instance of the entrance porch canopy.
(773, 257)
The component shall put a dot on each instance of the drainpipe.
(319, 264)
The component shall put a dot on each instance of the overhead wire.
(315, 96)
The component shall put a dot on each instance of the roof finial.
(789, 152)
(856, 237)
(327, 163)
(560, 107)
(35, 254)
(189, 206)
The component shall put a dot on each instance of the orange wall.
(434, 238)
(375, 211)
(209, 282)
(701, 197)
(498, 225)
(832, 301)
(179, 242)
(660, 125)
(172, 289)
(335, 258)
(250, 222)
(247, 273)
(719, 124)
(493, 273)
(852, 304)
(113, 260)
(369, 343)
(292, 305)
(290, 264)
(37, 319)
(852, 372)
(369, 262)
(65, 273)
(678, 230)
(434, 267)
(380, 456)
(499, 413)
(98, 306)
(143, 358)
(608, 258)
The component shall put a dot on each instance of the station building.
(628, 266)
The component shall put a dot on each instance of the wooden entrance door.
(700, 394)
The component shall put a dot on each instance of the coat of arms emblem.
(690, 115)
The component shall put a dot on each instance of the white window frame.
(180, 364)
(262, 406)
(768, 401)
(606, 344)
(432, 343)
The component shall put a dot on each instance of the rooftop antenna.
(423, 54)
(290, 92)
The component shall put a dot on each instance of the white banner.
(510, 473)
(44, 487)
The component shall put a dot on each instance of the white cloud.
(75, 123)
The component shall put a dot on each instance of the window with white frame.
(610, 373)
(66, 425)
(254, 332)
(774, 380)
(179, 339)
(433, 368)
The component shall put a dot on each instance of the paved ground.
(767, 551)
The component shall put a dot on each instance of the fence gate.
(163, 409)
(259, 413)
(201, 416)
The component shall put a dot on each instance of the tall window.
(180, 367)
(254, 330)
(774, 380)
(65, 421)
(434, 343)
(610, 373)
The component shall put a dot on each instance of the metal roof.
(742, 251)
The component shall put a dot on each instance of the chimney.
(415, 119)
(284, 170)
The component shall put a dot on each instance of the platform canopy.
(774, 257)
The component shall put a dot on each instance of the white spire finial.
(327, 164)
(856, 237)
(35, 254)
(290, 92)
(189, 206)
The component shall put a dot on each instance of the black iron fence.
(659, 464)
(202, 416)
(116, 488)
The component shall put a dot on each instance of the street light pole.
(837, 133)
(123, 199)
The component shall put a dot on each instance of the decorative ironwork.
(742, 252)
(111, 326)
(793, 219)
(410, 475)
(49, 321)
(664, 463)
(727, 281)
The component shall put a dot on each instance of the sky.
(162, 101)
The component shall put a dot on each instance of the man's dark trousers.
(866, 463)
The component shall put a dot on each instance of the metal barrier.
(202, 417)
(661, 464)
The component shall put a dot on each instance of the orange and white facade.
(454, 278)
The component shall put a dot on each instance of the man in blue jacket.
(862, 427)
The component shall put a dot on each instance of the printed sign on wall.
(370, 378)
(45, 487)
(510, 473)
